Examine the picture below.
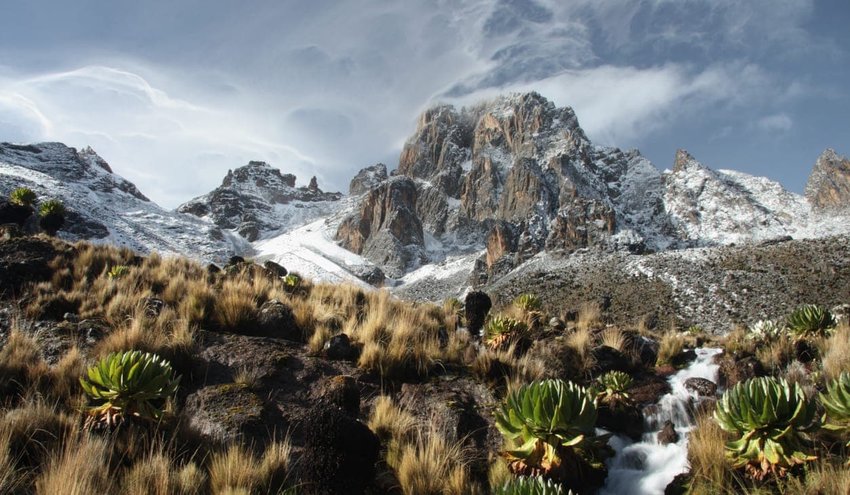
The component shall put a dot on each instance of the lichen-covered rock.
(275, 319)
(231, 413)
(701, 386)
(829, 183)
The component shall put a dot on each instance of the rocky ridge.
(255, 200)
(516, 176)
(105, 207)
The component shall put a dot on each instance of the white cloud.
(779, 122)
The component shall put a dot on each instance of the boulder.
(340, 391)
(231, 413)
(339, 454)
(476, 306)
(275, 319)
(667, 434)
(625, 419)
(339, 347)
(701, 386)
(609, 359)
(274, 269)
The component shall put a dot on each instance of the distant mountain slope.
(257, 200)
(104, 207)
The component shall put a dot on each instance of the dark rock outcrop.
(829, 183)
(668, 434)
(701, 386)
(385, 229)
(339, 454)
(476, 306)
(367, 179)
(275, 319)
(246, 199)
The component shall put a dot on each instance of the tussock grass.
(390, 421)
(82, 468)
(836, 352)
(432, 464)
(672, 343)
(776, 354)
(22, 369)
(616, 338)
(589, 316)
(34, 432)
(237, 469)
(707, 453)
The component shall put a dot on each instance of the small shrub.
(129, 384)
(527, 302)
(769, 419)
(614, 385)
(810, 320)
(524, 485)
(118, 271)
(502, 330)
(51, 207)
(22, 196)
(765, 330)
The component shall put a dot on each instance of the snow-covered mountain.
(477, 193)
(104, 207)
(257, 201)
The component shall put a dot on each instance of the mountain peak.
(828, 186)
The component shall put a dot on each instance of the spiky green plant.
(51, 207)
(527, 302)
(128, 384)
(836, 403)
(501, 330)
(545, 421)
(291, 281)
(770, 419)
(118, 271)
(22, 196)
(528, 485)
(614, 385)
(764, 330)
(810, 320)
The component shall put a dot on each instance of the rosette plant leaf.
(764, 330)
(128, 384)
(118, 271)
(527, 302)
(836, 403)
(545, 422)
(22, 196)
(769, 419)
(615, 384)
(810, 320)
(531, 485)
(501, 330)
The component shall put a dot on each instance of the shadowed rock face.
(829, 183)
(385, 228)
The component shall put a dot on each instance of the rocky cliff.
(829, 184)
(517, 175)
(257, 199)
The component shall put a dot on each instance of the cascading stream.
(647, 467)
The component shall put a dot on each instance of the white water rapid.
(647, 467)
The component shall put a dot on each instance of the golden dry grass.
(22, 369)
(776, 354)
(672, 343)
(388, 420)
(589, 316)
(707, 453)
(615, 338)
(433, 464)
(836, 352)
(82, 468)
(238, 469)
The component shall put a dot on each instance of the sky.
(174, 93)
